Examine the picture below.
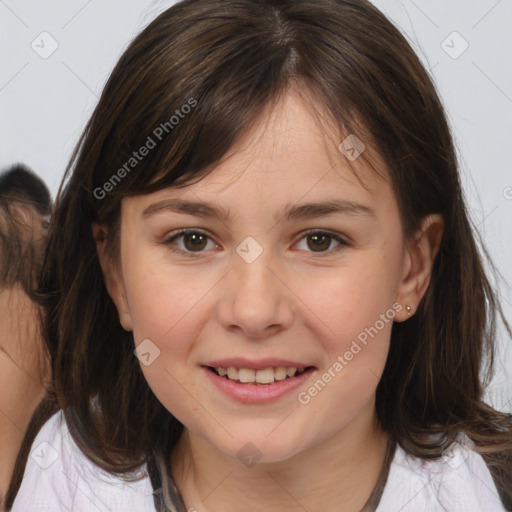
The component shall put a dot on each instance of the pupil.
(194, 237)
(322, 238)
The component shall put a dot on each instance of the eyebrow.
(289, 213)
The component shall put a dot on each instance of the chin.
(252, 449)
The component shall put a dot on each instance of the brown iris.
(319, 241)
(197, 241)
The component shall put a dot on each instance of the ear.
(111, 274)
(420, 253)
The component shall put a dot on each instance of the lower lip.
(257, 393)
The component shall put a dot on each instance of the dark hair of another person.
(234, 58)
(21, 241)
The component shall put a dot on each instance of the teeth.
(280, 373)
(291, 371)
(232, 373)
(246, 375)
(266, 376)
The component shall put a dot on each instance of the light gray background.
(45, 102)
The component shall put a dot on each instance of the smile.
(250, 375)
(257, 386)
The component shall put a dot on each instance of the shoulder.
(459, 482)
(58, 476)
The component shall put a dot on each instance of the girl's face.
(289, 262)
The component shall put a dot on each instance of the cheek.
(168, 309)
(348, 301)
(355, 318)
(165, 302)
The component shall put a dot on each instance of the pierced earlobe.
(409, 309)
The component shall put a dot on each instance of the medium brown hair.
(234, 58)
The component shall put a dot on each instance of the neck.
(337, 475)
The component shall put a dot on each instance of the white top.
(58, 477)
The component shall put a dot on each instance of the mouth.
(259, 377)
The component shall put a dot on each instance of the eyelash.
(169, 241)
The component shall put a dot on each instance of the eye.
(320, 242)
(194, 241)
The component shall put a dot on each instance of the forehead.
(291, 152)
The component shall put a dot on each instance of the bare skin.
(22, 370)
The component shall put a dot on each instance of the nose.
(256, 300)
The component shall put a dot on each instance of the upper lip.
(261, 364)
